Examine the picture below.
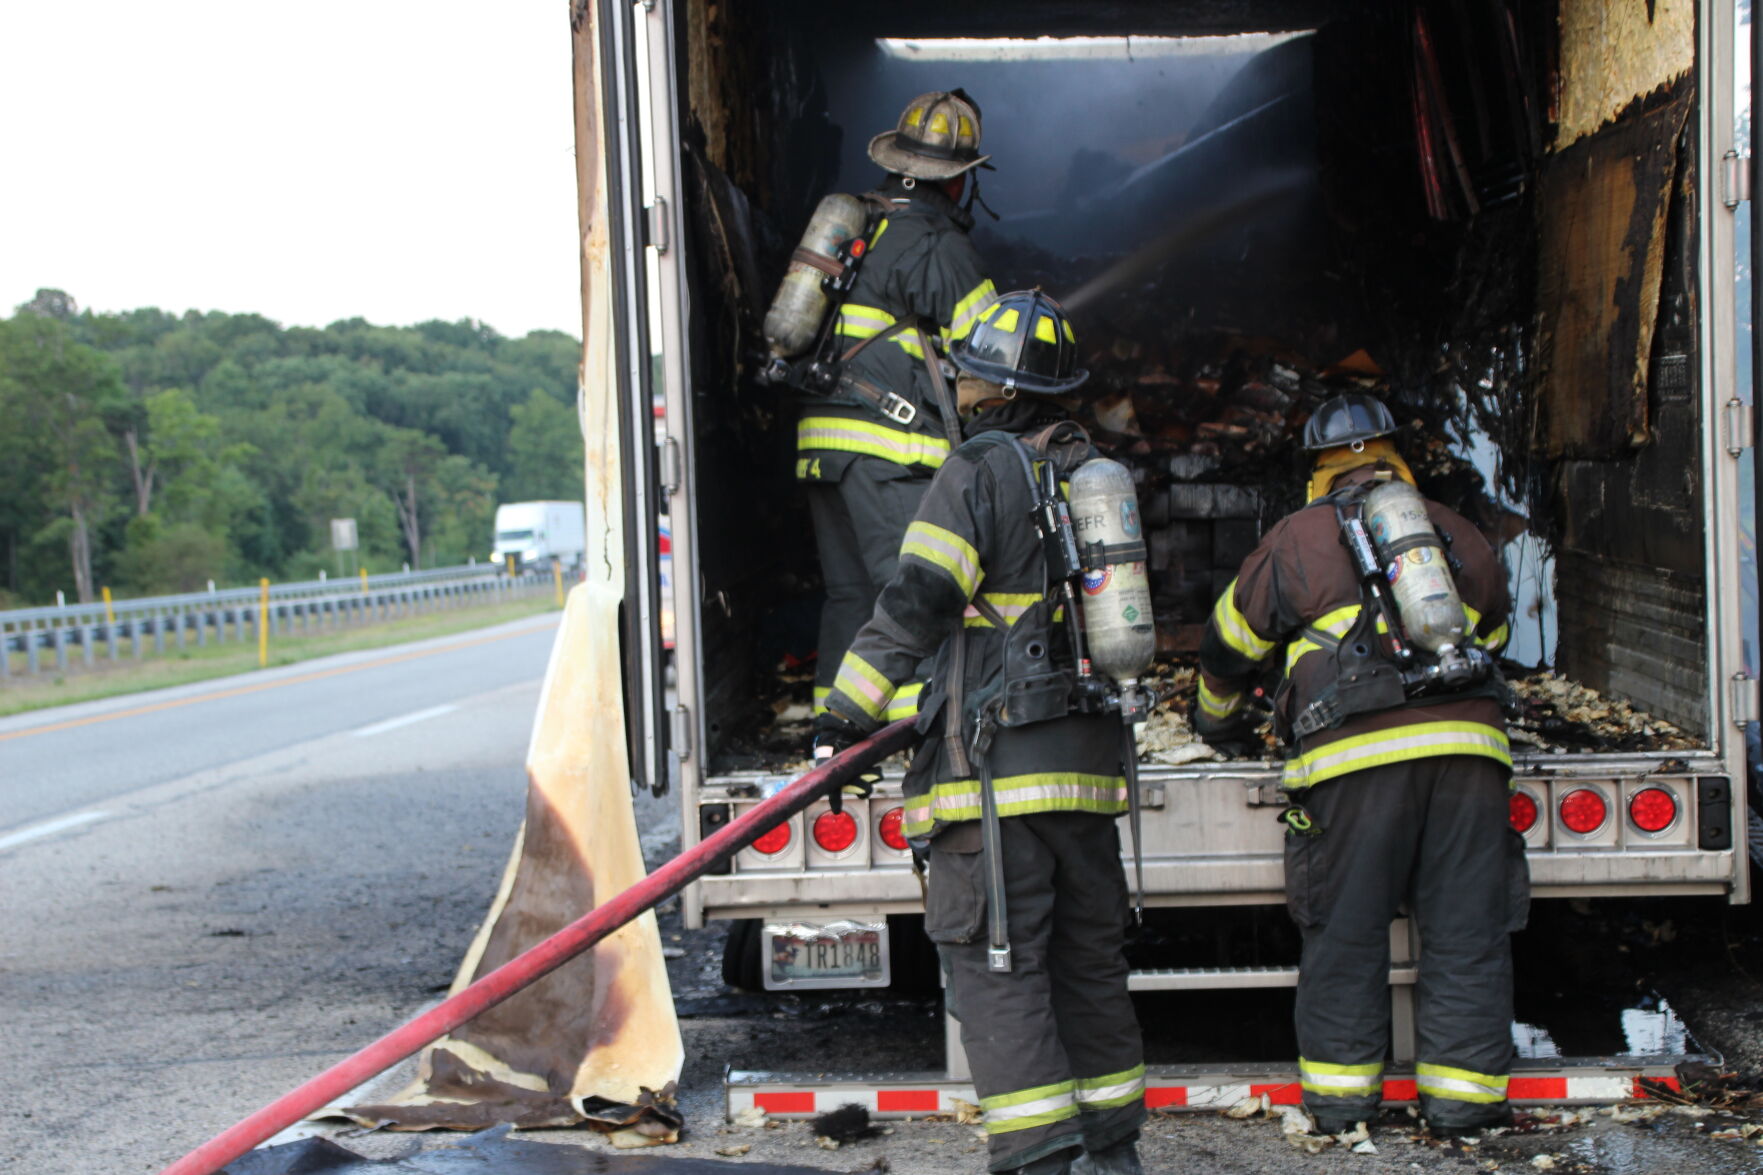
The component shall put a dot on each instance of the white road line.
(50, 828)
(406, 720)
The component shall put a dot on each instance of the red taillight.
(890, 829)
(1522, 811)
(775, 841)
(1652, 809)
(1584, 810)
(835, 831)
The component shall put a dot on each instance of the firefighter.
(868, 451)
(1398, 791)
(1053, 1042)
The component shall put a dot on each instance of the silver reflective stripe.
(1447, 1086)
(1046, 1105)
(1342, 1081)
(1106, 1093)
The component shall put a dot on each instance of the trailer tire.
(740, 956)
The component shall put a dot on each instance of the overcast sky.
(388, 159)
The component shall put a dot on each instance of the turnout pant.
(1430, 835)
(859, 521)
(1053, 1043)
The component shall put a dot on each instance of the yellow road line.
(239, 691)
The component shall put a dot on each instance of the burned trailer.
(1505, 218)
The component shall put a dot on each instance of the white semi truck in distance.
(537, 534)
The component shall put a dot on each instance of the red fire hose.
(544, 958)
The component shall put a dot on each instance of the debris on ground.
(1560, 715)
(848, 1123)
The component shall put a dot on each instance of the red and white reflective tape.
(916, 1096)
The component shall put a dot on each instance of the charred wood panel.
(1635, 632)
(1603, 205)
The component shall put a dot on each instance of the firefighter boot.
(1120, 1159)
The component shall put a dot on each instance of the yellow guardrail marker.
(109, 613)
(263, 623)
(364, 581)
(557, 578)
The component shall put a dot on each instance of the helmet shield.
(937, 138)
(1022, 340)
(1345, 419)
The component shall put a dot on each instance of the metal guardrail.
(54, 634)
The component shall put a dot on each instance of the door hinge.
(1744, 699)
(1739, 434)
(1737, 185)
(679, 725)
(667, 456)
(657, 214)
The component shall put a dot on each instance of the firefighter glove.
(833, 735)
(1235, 737)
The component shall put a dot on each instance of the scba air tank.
(802, 302)
(1415, 563)
(1116, 593)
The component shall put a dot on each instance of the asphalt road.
(210, 894)
(213, 893)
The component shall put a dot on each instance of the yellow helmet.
(937, 139)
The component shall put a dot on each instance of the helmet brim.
(887, 153)
(1021, 381)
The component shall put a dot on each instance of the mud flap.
(600, 1031)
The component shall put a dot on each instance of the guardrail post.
(60, 648)
(263, 622)
(181, 618)
(30, 650)
(88, 637)
(159, 634)
(110, 636)
(5, 655)
(135, 635)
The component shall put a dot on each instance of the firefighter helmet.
(1022, 340)
(1353, 418)
(937, 139)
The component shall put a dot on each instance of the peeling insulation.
(1615, 53)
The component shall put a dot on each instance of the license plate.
(802, 955)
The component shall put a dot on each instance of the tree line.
(152, 452)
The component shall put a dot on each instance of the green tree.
(544, 450)
(61, 396)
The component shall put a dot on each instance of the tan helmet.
(937, 139)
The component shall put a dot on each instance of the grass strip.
(52, 687)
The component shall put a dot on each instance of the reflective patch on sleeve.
(1234, 628)
(945, 550)
(1219, 705)
(968, 310)
(863, 685)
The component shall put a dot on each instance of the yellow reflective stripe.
(1217, 706)
(861, 322)
(863, 684)
(1018, 795)
(1335, 624)
(946, 550)
(1420, 740)
(1495, 639)
(1113, 1089)
(967, 310)
(1340, 1080)
(909, 344)
(1461, 1085)
(843, 434)
(1045, 331)
(1027, 1108)
(820, 695)
(1069, 337)
(904, 703)
(1009, 605)
(1234, 627)
(1007, 321)
(879, 230)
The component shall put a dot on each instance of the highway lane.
(288, 874)
(65, 763)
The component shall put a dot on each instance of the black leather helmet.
(1344, 420)
(1022, 340)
